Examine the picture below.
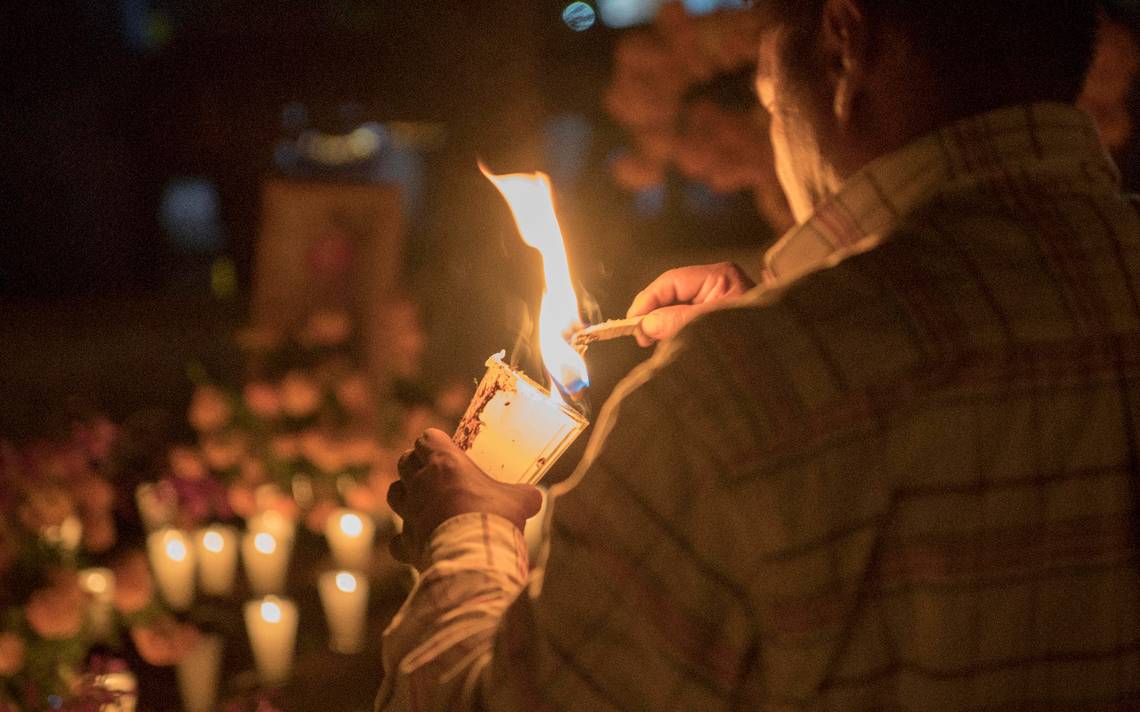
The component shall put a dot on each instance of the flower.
(12, 650)
(327, 328)
(285, 447)
(99, 533)
(209, 409)
(223, 453)
(354, 394)
(262, 399)
(46, 506)
(322, 451)
(186, 464)
(133, 585)
(165, 642)
(300, 396)
(55, 612)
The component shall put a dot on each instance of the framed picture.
(325, 245)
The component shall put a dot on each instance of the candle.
(123, 686)
(198, 675)
(217, 558)
(275, 523)
(99, 584)
(344, 595)
(350, 533)
(266, 560)
(172, 561)
(514, 429)
(272, 626)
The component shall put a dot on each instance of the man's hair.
(1017, 50)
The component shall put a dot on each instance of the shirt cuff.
(480, 540)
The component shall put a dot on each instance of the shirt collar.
(1054, 137)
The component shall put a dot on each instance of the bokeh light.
(579, 16)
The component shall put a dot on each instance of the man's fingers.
(409, 464)
(398, 548)
(664, 323)
(396, 496)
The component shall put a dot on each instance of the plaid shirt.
(895, 477)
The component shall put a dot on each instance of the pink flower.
(12, 649)
(323, 452)
(133, 585)
(285, 447)
(99, 533)
(300, 396)
(223, 453)
(55, 612)
(262, 400)
(253, 472)
(327, 328)
(186, 464)
(241, 500)
(209, 409)
(165, 642)
(355, 394)
(46, 506)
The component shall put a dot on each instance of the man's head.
(849, 80)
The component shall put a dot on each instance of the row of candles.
(207, 559)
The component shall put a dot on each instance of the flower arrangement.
(682, 89)
(306, 430)
(57, 516)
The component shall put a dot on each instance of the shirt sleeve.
(628, 607)
(439, 642)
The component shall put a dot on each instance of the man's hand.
(439, 481)
(680, 295)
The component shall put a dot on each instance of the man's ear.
(845, 41)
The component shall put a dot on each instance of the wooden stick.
(611, 329)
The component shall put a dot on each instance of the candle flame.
(265, 543)
(351, 524)
(271, 612)
(532, 203)
(96, 582)
(346, 582)
(175, 549)
(213, 542)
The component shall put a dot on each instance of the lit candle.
(123, 687)
(272, 626)
(513, 429)
(266, 560)
(172, 561)
(344, 596)
(99, 584)
(198, 675)
(275, 523)
(217, 558)
(350, 535)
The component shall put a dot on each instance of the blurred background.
(138, 136)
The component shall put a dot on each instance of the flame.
(532, 202)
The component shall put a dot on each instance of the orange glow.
(532, 202)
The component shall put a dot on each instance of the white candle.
(514, 429)
(350, 534)
(273, 522)
(217, 547)
(272, 626)
(172, 561)
(99, 584)
(198, 675)
(344, 595)
(124, 687)
(266, 560)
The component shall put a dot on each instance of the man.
(900, 475)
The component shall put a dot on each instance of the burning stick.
(611, 329)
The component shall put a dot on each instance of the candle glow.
(270, 611)
(351, 524)
(265, 543)
(346, 582)
(213, 542)
(176, 550)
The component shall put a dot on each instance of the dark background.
(108, 104)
